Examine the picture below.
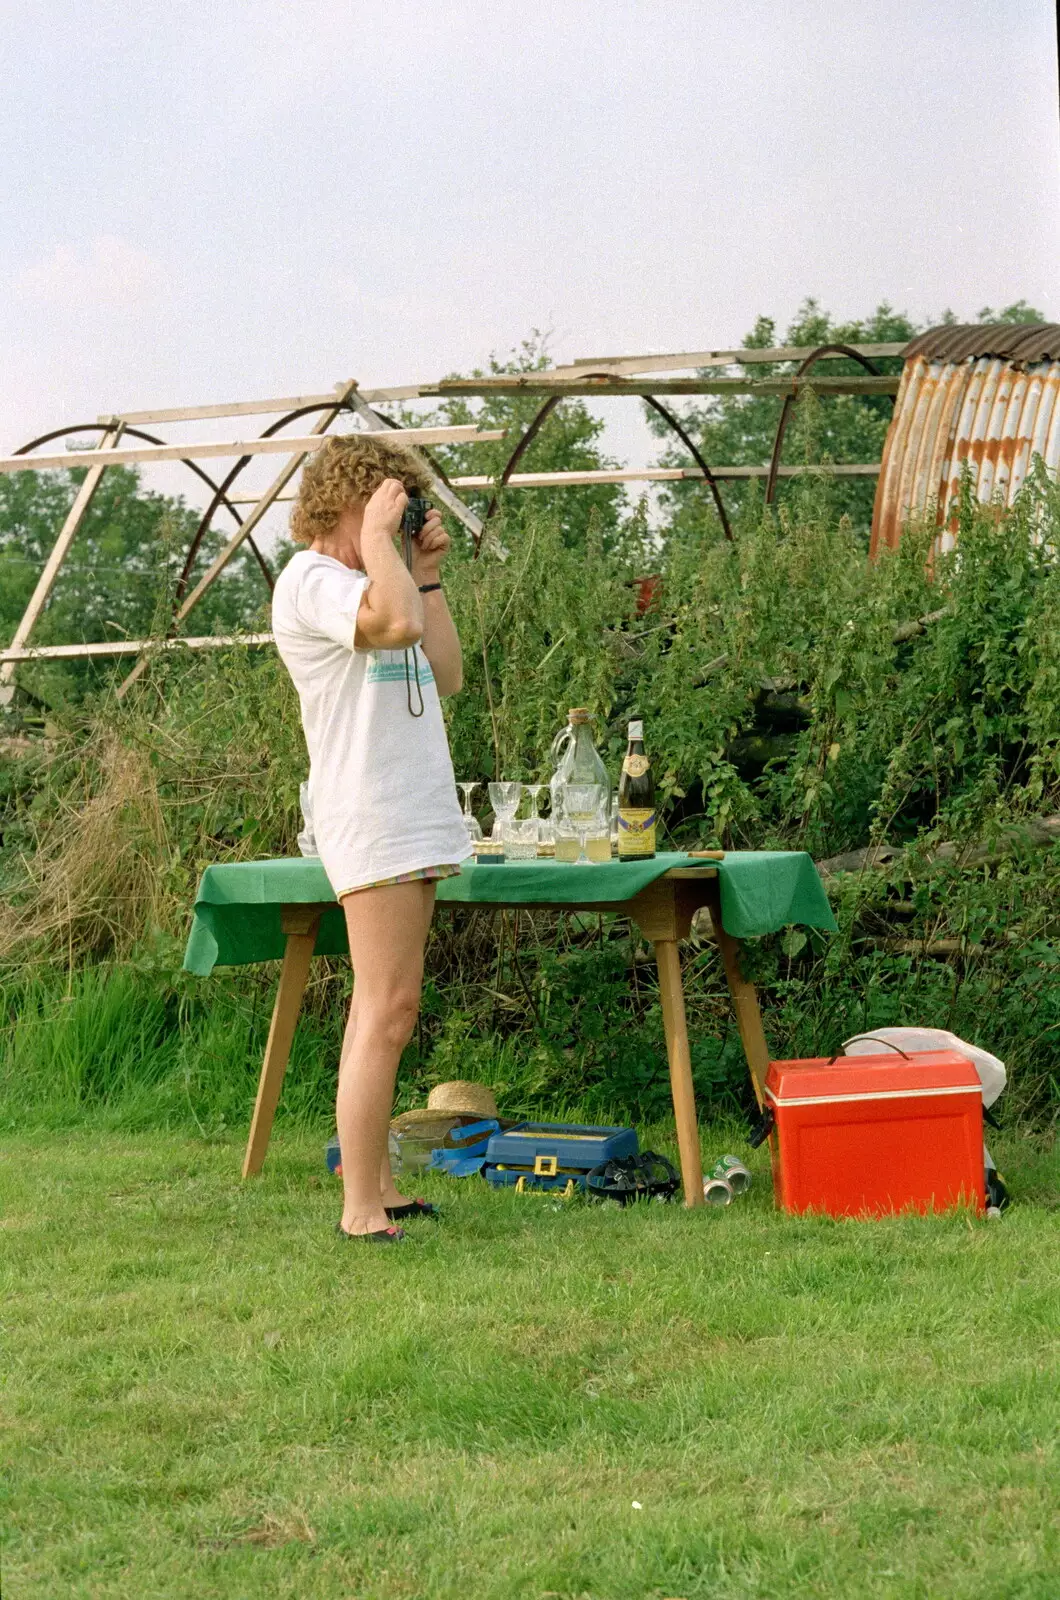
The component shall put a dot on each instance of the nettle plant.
(789, 694)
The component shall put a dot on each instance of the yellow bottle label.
(636, 832)
(636, 766)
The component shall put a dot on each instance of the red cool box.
(869, 1135)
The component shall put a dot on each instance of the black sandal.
(380, 1236)
(415, 1208)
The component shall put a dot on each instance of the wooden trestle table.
(244, 909)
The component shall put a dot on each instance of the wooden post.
(300, 924)
(744, 1002)
(39, 597)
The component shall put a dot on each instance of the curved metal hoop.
(222, 491)
(550, 405)
(151, 438)
(785, 410)
(712, 482)
(516, 456)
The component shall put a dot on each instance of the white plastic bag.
(991, 1071)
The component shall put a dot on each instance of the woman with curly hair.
(371, 647)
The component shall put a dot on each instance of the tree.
(567, 442)
(739, 430)
(118, 578)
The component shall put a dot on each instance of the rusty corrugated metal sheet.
(1016, 342)
(993, 412)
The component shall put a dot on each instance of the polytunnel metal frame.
(822, 351)
(601, 377)
(108, 450)
(220, 498)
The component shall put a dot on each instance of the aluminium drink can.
(731, 1170)
(717, 1191)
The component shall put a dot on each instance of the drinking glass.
(544, 830)
(520, 840)
(564, 834)
(474, 832)
(546, 836)
(585, 805)
(504, 798)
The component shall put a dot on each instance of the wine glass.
(474, 832)
(584, 804)
(534, 790)
(504, 798)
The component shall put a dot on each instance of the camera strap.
(410, 677)
(406, 545)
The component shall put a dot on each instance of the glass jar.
(575, 757)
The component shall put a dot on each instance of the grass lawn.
(208, 1394)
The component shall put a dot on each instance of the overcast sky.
(208, 202)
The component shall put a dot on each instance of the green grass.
(207, 1394)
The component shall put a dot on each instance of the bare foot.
(364, 1221)
(391, 1198)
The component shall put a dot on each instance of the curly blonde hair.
(346, 471)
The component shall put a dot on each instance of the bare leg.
(390, 1194)
(387, 931)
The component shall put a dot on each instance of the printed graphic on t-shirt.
(389, 666)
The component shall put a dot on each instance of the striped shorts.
(421, 875)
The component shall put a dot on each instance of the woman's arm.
(391, 614)
(440, 642)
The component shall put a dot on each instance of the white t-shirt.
(381, 789)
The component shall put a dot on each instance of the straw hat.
(461, 1098)
(449, 1106)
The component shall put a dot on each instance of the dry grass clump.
(93, 883)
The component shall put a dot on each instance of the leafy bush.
(786, 707)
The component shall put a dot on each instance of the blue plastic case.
(469, 1153)
(553, 1155)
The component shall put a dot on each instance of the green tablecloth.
(237, 909)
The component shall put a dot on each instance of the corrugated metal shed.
(1017, 342)
(986, 395)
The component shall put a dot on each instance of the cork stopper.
(578, 714)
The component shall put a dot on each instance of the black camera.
(414, 516)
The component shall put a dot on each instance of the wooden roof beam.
(281, 444)
(678, 361)
(684, 360)
(543, 383)
(129, 647)
(571, 480)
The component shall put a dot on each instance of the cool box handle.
(870, 1038)
(762, 1128)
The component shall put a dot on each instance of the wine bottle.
(636, 801)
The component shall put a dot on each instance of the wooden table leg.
(668, 959)
(745, 1004)
(300, 925)
(663, 912)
